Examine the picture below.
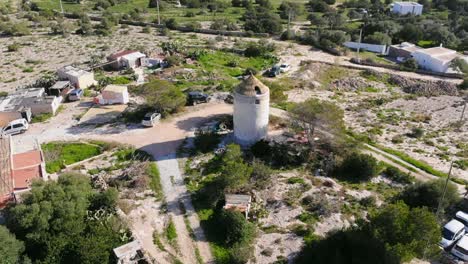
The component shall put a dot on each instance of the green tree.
(351, 246)
(379, 38)
(235, 229)
(460, 65)
(290, 10)
(317, 20)
(11, 249)
(162, 96)
(315, 114)
(358, 167)
(411, 32)
(400, 228)
(262, 20)
(334, 19)
(235, 173)
(428, 194)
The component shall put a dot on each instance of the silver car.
(150, 119)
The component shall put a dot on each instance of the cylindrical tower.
(251, 111)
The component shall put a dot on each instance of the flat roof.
(60, 85)
(115, 88)
(134, 56)
(463, 243)
(437, 51)
(408, 3)
(129, 248)
(237, 199)
(73, 71)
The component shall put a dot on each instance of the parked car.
(463, 218)
(460, 250)
(150, 119)
(197, 97)
(284, 67)
(451, 232)
(17, 126)
(75, 95)
(274, 71)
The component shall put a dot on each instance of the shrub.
(171, 23)
(13, 47)
(410, 64)
(262, 175)
(416, 132)
(320, 205)
(429, 193)
(174, 60)
(206, 141)
(288, 35)
(358, 167)
(250, 71)
(397, 175)
(234, 228)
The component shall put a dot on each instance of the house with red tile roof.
(18, 170)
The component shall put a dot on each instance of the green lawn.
(59, 154)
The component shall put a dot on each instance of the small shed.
(129, 253)
(238, 202)
(60, 88)
(113, 94)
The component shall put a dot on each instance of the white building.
(436, 59)
(79, 78)
(126, 59)
(113, 94)
(251, 111)
(404, 8)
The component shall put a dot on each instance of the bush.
(417, 132)
(235, 229)
(206, 141)
(288, 35)
(173, 60)
(250, 71)
(13, 47)
(429, 193)
(162, 95)
(410, 64)
(259, 49)
(464, 85)
(397, 175)
(171, 23)
(358, 167)
(320, 205)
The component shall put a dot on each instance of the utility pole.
(61, 6)
(359, 45)
(463, 111)
(159, 18)
(289, 19)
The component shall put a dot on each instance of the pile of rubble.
(350, 84)
(424, 88)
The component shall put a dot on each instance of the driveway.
(161, 141)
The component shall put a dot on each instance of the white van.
(17, 126)
(463, 218)
(452, 231)
(461, 248)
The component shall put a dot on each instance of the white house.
(404, 8)
(113, 94)
(126, 59)
(79, 78)
(436, 59)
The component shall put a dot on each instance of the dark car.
(274, 71)
(196, 97)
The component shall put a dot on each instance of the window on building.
(257, 90)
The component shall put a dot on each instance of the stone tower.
(251, 111)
